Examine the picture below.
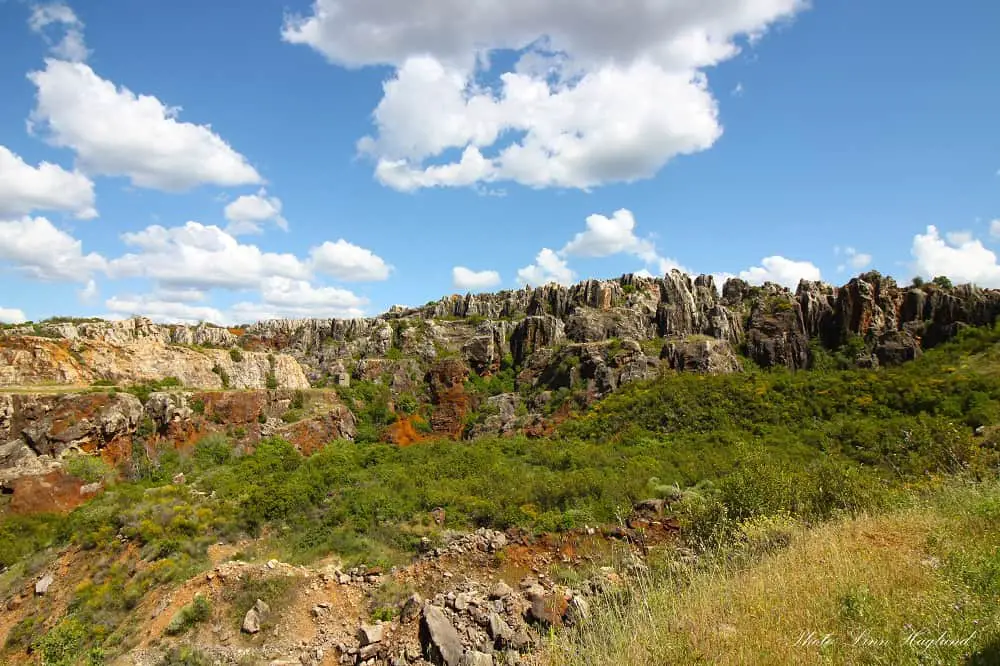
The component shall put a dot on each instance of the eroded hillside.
(454, 482)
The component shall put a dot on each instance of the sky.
(230, 162)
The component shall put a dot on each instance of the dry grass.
(848, 592)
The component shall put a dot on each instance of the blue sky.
(387, 157)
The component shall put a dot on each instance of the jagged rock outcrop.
(706, 355)
(446, 382)
(38, 431)
(534, 333)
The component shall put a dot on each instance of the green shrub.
(199, 610)
(236, 355)
(87, 468)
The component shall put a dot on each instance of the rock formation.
(586, 340)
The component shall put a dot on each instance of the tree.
(942, 281)
(918, 282)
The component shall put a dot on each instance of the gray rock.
(499, 631)
(43, 584)
(411, 608)
(500, 590)
(439, 640)
(251, 622)
(371, 633)
(474, 658)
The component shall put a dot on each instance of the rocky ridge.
(547, 344)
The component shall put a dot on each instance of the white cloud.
(548, 267)
(115, 132)
(968, 261)
(285, 298)
(600, 92)
(12, 316)
(995, 228)
(348, 262)
(606, 236)
(198, 256)
(249, 211)
(90, 292)
(39, 250)
(71, 46)
(854, 260)
(603, 237)
(24, 188)
(786, 272)
(468, 280)
(958, 237)
(163, 311)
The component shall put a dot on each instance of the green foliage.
(407, 403)
(942, 281)
(298, 400)
(196, 612)
(21, 536)
(236, 355)
(277, 592)
(87, 468)
(740, 457)
(223, 375)
(212, 450)
(142, 391)
(65, 645)
(271, 380)
(370, 402)
(394, 353)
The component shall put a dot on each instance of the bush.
(87, 468)
(236, 355)
(194, 613)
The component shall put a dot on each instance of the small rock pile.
(458, 543)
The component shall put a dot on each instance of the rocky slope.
(540, 346)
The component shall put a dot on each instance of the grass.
(879, 589)
(752, 459)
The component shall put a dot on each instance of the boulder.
(707, 355)
(371, 633)
(43, 584)
(439, 640)
(474, 658)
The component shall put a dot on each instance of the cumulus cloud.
(24, 188)
(348, 262)
(61, 18)
(469, 280)
(198, 256)
(548, 267)
(598, 92)
(164, 311)
(853, 259)
(786, 272)
(967, 261)
(603, 237)
(249, 211)
(606, 236)
(37, 249)
(995, 228)
(115, 132)
(90, 292)
(12, 316)
(286, 298)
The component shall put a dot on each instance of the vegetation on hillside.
(726, 450)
